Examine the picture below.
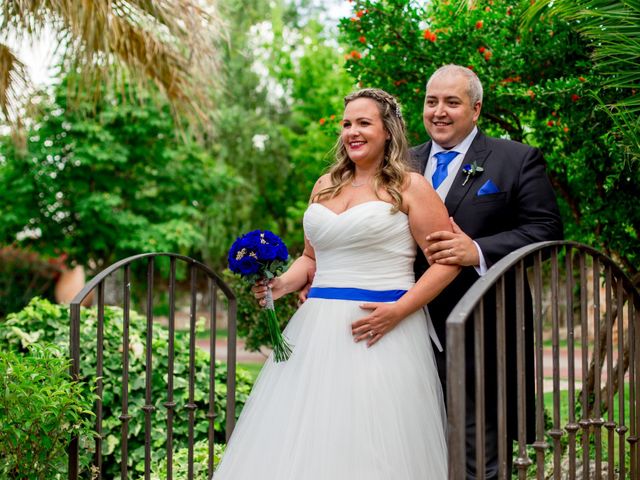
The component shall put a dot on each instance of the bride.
(360, 398)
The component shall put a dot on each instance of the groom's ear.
(476, 111)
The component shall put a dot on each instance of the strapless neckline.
(354, 206)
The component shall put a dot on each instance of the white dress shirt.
(452, 169)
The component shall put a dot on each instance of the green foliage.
(102, 182)
(43, 321)
(537, 85)
(181, 463)
(283, 78)
(24, 275)
(41, 409)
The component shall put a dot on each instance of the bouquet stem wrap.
(281, 348)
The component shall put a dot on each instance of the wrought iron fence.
(586, 317)
(196, 272)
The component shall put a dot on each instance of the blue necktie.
(444, 159)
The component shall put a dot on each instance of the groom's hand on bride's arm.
(452, 248)
(383, 317)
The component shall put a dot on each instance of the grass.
(221, 334)
(252, 368)
(564, 405)
(564, 416)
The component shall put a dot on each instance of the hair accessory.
(397, 111)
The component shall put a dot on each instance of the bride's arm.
(427, 214)
(296, 277)
(301, 270)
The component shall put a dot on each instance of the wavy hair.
(393, 170)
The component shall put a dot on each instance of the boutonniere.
(471, 170)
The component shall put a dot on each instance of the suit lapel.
(421, 157)
(478, 153)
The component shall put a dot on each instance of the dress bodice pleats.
(366, 246)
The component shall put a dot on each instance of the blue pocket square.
(488, 188)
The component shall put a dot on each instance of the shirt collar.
(461, 148)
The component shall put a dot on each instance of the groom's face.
(449, 116)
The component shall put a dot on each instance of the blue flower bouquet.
(260, 255)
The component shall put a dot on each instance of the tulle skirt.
(337, 410)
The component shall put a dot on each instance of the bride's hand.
(259, 290)
(382, 319)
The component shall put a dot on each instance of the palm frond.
(15, 94)
(613, 26)
(628, 123)
(171, 43)
(14, 80)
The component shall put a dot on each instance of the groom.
(503, 202)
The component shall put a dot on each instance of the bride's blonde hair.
(393, 169)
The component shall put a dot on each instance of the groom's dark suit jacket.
(524, 211)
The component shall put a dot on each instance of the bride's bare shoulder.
(416, 184)
(323, 182)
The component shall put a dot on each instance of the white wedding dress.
(337, 410)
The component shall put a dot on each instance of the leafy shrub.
(181, 466)
(23, 275)
(41, 408)
(44, 321)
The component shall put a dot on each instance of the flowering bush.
(537, 82)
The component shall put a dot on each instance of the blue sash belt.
(357, 294)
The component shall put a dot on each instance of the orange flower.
(488, 55)
(322, 121)
(360, 13)
(429, 35)
(479, 24)
(356, 55)
(332, 117)
(575, 98)
(550, 123)
(487, 9)
(362, 39)
(481, 49)
(531, 94)
(470, 67)
(566, 129)
(582, 79)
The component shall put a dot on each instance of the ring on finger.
(371, 333)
